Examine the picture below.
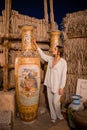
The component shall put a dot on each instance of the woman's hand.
(34, 41)
(60, 91)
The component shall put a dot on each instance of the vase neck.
(27, 33)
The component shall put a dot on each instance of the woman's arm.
(42, 54)
(63, 80)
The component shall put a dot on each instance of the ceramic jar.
(74, 106)
(27, 77)
(54, 39)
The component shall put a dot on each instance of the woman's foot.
(61, 119)
(53, 121)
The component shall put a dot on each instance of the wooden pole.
(6, 42)
(7, 16)
(52, 15)
(45, 10)
(5, 67)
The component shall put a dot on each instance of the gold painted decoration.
(27, 34)
(27, 75)
(54, 39)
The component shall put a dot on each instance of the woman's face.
(55, 51)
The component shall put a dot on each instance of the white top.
(55, 76)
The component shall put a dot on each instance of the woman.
(55, 79)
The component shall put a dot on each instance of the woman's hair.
(60, 50)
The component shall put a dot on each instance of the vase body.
(27, 75)
(80, 119)
(73, 107)
(54, 39)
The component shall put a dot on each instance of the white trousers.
(54, 105)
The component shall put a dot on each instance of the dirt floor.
(41, 123)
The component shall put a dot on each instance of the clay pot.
(80, 119)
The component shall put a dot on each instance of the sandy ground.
(41, 123)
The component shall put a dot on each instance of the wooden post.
(45, 10)
(52, 15)
(5, 67)
(7, 16)
(6, 42)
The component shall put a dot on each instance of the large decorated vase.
(54, 39)
(27, 75)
